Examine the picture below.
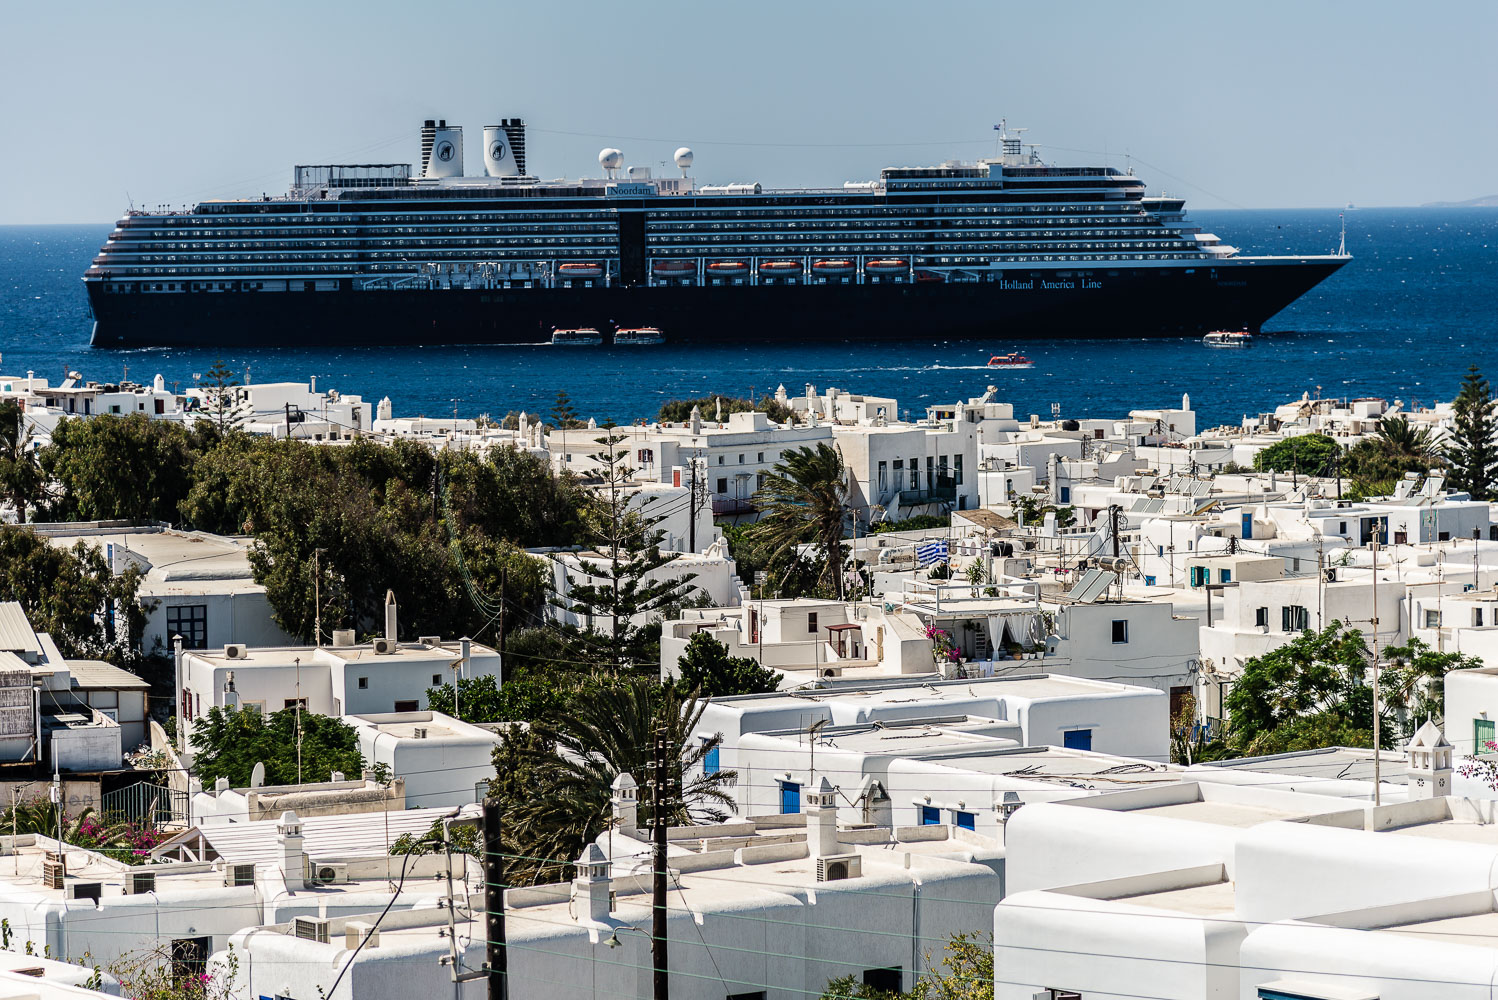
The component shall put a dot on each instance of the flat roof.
(901, 691)
(1083, 769)
(1218, 813)
(353, 835)
(1201, 900)
(1328, 763)
(1478, 930)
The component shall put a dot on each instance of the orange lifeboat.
(673, 269)
(728, 268)
(887, 265)
(833, 267)
(580, 270)
(779, 267)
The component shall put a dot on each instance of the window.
(1224, 576)
(1077, 739)
(406, 706)
(1066, 494)
(930, 816)
(363, 683)
(190, 621)
(957, 470)
(757, 995)
(760, 458)
(1432, 618)
(1483, 734)
(190, 958)
(883, 476)
(1294, 618)
(965, 820)
(1261, 617)
(885, 980)
(291, 703)
(723, 487)
(790, 798)
(741, 459)
(436, 680)
(710, 760)
(1120, 630)
(811, 622)
(1477, 617)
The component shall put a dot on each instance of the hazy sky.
(1261, 104)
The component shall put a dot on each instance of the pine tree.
(1472, 451)
(221, 397)
(616, 594)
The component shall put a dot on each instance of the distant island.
(1487, 201)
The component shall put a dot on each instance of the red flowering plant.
(942, 648)
(1484, 768)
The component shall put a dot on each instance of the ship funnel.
(441, 149)
(504, 148)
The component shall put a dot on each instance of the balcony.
(732, 506)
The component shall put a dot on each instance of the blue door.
(1248, 526)
(1077, 739)
(930, 816)
(710, 761)
(790, 797)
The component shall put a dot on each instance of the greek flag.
(927, 553)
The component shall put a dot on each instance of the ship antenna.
(1342, 243)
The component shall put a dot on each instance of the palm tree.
(569, 763)
(1400, 439)
(805, 500)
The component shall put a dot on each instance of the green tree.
(680, 410)
(228, 743)
(1305, 454)
(72, 595)
(706, 668)
(564, 414)
(1316, 676)
(917, 522)
(1415, 675)
(1472, 449)
(110, 467)
(620, 585)
(20, 475)
(570, 757)
(804, 501)
(224, 402)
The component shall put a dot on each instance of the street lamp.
(613, 939)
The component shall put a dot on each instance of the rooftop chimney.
(821, 820)
(390, 621)
(626, 803)
(293, 858)
(592, 883)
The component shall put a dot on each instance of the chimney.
(592, 883)
(293, 858)
(626, 804)
(390, 615)
(821, 820)
(231, 696)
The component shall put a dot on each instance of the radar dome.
(684, 157)
(610, 159)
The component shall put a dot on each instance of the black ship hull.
(1141, 301)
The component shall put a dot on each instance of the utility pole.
(298, 662)
(1377, 753)
(317, 596)
(504, 583)
(661, 980)
(497, 965)
(1113, 510)
(288, 418)
(692, 505)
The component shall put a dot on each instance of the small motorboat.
(674, 269)
(569, 272)
(836, 267)
(1010, 361)
(887, 265)
(581, 337)
(637, 336)
(1229, 338)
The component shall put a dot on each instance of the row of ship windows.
(1139, 232)
(1133, 219)
(406, 267)
(301, 222)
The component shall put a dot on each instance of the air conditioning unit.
(239, 875)
(329, 874)
(310, 929)
(83, 890)
(836, 867)
(137, 883)
(356, 931)
(235, 651)
(430, 640)
(384, 646)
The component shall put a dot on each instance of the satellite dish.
(684, 159)
(610, 159)
(257, 776)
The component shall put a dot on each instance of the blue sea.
(1416, 306)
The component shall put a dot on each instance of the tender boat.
(887, 265)
(638, 336)
(1229, 338)
(581, 337)
(728, 268)
(779, 268)
(833, 268)
(674, 269)
(568, 272)
(1010, 361)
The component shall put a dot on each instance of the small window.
(760, 457)
(1077, 739)
(1261, 617)
(930, 816)
(292, 703)
(363, 683)
(965, 820)
(436, 680)
(811, 623)
(741, 459)
(406, 706)
(710, 761)
(1432, 618)
(884, 980)
(1225, 576)
(720, 459)
(1120, 630)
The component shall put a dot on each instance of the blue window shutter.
(710, 761)
(930, 816)
(966, 820)
(1077, 739)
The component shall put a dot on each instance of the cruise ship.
(393, 253)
